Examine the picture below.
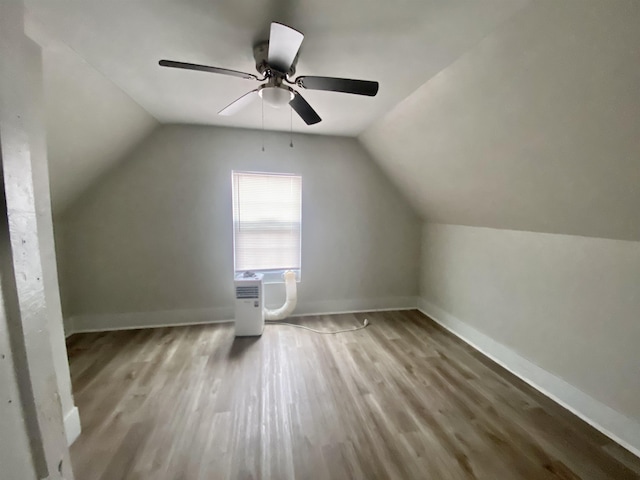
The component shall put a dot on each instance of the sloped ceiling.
(401, 44)
(536, 128)
(529, 118)
(90, 122)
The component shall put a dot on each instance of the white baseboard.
(173, 318)
(337, 307)
(72, 426)
(105, 322)
(613, 424)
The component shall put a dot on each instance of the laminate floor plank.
(401, 399)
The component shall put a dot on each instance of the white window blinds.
(267, 210)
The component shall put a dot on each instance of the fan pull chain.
(262, 105)
(291, 126)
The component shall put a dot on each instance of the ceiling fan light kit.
(276, 61)
(276, 96)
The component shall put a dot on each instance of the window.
(267, 211)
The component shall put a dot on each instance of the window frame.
(269, 275)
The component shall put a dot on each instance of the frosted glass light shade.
(276, 96)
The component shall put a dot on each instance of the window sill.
(274, 276)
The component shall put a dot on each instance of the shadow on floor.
(240, 346)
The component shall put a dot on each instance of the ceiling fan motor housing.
(261, 54)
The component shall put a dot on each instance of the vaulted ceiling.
(91, 124)
(519, 114)
(401, 44)
(535, 128)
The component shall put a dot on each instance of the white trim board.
(72, 426)
(613, 424)
(105, 322)
(173, 318)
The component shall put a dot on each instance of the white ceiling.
(401, 44)
(509, 114)
(536, 128)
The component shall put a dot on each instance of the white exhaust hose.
(290, 301)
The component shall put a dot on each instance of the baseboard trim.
(175, 318)
(611, 423)
(336, 307)
(72, 427)
(105, 322)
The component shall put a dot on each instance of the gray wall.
(569, 304)
(156, 233)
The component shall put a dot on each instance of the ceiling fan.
(276, 61)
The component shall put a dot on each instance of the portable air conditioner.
(249, 304)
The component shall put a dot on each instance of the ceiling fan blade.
(345, 85)
(237, 105)
(284, 43)
(302, 108)
(205, 68)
